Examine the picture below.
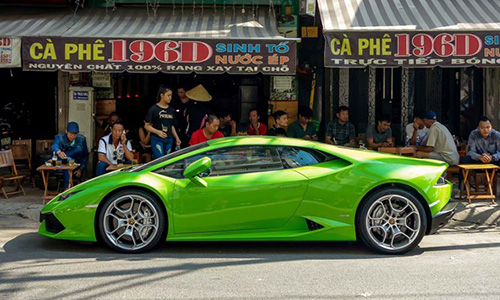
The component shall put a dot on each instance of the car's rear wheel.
(131, 221)
(391, 221)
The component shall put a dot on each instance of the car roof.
(260, 140)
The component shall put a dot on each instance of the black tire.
(380, 226)
(124, 229)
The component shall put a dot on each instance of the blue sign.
(80, 95)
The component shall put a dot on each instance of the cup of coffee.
(64, 161)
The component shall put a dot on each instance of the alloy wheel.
(393, 222)
(131, 222)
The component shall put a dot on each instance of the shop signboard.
(10, 52)
(412, 49)
(274, 57)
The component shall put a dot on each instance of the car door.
(247, 188)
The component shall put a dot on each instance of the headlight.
(441, 181)
(66, 196)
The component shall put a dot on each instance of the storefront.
(122, 56)
(397, 57)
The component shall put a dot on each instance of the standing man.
(113, 148)
(303, 128)
(340, 131)
(440, 144)
(254, 126)
(160, 121)
(209, 132)
(280, 123)
(416, 131)
(106, 124)
(483, 145)
(71, 144)
(180, 107)
(380, 133)
(198, 109)
(227, 125)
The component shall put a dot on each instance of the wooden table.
(44, 169)
(489, 170)
(406, 151)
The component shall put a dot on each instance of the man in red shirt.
(209, 132)
(254, 126)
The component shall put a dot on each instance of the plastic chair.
(7, 161)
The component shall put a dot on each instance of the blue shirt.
(77, 149)
(477, 145)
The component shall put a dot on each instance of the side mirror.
(196, 168)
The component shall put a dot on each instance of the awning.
(411, 33)
(176, 40)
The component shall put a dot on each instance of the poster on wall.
(275, 57)
(10, 52)
(283, 88)
(411, 49)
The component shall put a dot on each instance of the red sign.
(173, 56)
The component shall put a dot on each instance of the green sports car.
(258, 189)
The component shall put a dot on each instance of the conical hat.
(199, 93)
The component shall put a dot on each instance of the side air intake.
(313, 225)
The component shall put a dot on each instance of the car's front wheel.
(131, 221)
(391, 221)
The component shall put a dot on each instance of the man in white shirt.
(113, 148)
(416, 132)
(440, 144)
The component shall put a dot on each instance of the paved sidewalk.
(22, 211)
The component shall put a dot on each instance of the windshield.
(170, 156)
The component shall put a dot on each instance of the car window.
(239, 160)
(293, 157)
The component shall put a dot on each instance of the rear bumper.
(441, 218)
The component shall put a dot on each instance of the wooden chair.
(452, 173)
(43, 147)
(392, 150)
(21, 150)
(7, 161)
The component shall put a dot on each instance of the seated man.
(303, 128)
(71, 145)
(113, 148)
(440, 144)
(227, 125)
(209, 132)
(280, 123)
(380, 133)
(340, 131)
(483, 145)
(416, 132)
(254, 126)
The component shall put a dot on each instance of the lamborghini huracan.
(258, 189)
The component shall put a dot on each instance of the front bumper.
(442, 217)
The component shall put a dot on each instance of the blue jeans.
(71, 154)
(161, 146)
(101, 168)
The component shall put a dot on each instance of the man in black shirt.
(227, 124)
(180, 106)
(198, 108)
(280, 122)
